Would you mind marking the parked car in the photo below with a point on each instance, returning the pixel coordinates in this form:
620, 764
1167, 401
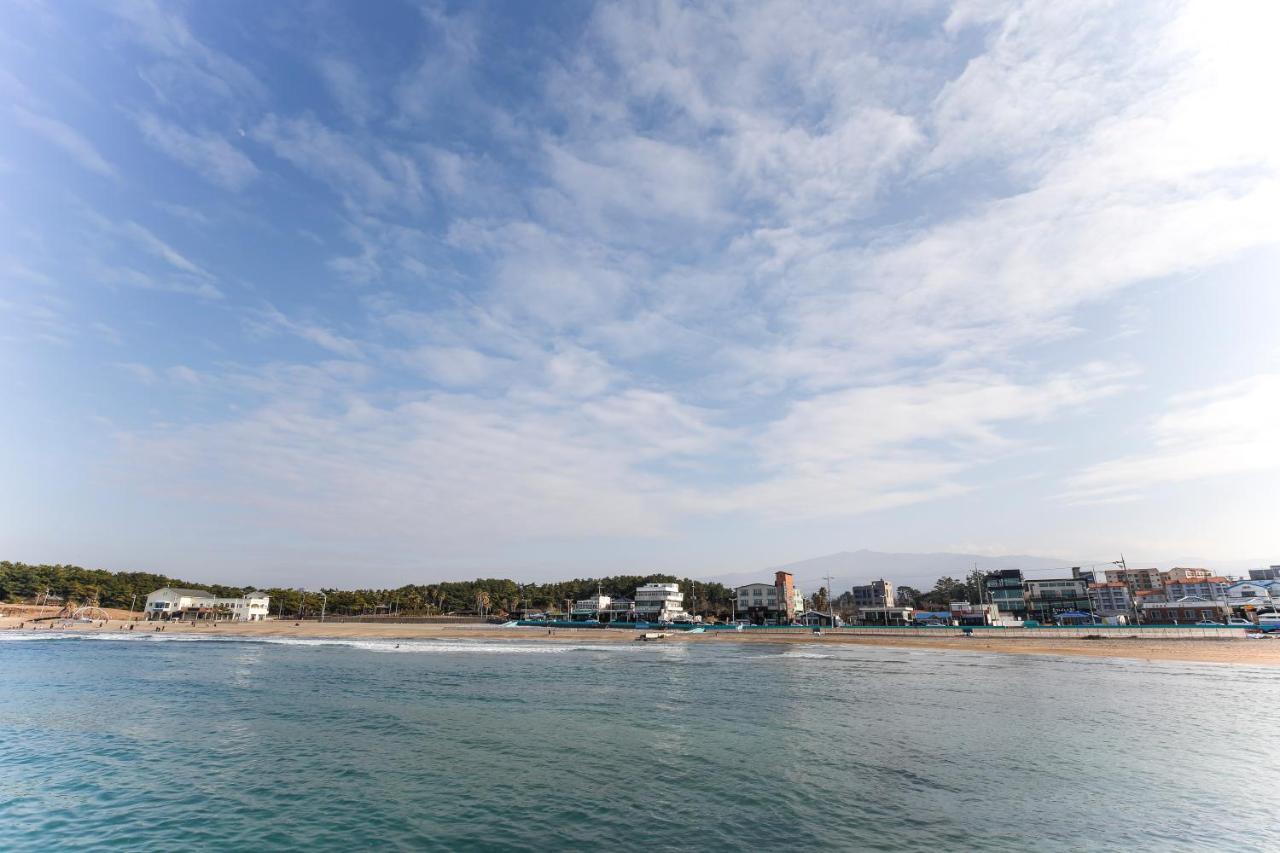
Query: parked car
1269, 622
1237, 622
1209, 622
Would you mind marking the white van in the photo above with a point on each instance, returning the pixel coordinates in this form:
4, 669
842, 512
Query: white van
1269, 622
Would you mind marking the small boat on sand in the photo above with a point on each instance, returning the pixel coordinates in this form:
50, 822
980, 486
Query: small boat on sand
650, 636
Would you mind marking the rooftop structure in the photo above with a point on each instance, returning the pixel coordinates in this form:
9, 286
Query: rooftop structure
1185, 574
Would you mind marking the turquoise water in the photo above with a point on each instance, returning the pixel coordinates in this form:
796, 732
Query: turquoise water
213, 744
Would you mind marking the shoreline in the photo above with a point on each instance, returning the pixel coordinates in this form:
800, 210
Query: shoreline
1227, 651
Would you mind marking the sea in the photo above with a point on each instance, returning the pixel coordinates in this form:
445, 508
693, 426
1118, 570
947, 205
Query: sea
183, 742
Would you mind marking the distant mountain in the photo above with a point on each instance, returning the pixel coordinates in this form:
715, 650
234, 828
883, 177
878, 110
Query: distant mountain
850, 568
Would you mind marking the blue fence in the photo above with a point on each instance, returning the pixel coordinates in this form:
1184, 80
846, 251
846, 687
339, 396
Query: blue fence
1217, 632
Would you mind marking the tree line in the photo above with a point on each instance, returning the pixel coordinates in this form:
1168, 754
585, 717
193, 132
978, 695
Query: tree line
75, 585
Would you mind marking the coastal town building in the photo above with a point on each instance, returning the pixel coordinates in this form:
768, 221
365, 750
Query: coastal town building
1185, 611
819, 619
1212, 588
603, 608
968, 615
1004, 591
1136, 579
875, 594
1185, 574
1045, 598
1112, 598
892, 615
660, 602
1270, 574
778, 603
178, 603
1251, 596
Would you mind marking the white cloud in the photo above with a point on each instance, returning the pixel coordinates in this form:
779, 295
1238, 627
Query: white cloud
454, 366
271, 319
365, 172
185, 69
66, 138
349, 88
212, 156
1230, 429
158, 248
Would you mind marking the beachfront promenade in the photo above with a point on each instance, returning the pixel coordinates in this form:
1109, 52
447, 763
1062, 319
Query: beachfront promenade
1182, 644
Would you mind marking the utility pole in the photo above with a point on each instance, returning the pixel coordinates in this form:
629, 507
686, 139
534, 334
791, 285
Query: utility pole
831, 612
132, 601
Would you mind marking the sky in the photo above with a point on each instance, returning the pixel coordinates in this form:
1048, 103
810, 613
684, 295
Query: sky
364, 293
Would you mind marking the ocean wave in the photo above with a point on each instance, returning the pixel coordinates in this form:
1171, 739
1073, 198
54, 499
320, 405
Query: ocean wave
388, 645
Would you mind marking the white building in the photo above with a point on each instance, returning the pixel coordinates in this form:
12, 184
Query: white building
1257, 594
586, 609
964, 613
661, 602
176, 603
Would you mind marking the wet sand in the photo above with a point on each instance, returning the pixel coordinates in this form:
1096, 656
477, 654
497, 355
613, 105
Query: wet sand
1264, 652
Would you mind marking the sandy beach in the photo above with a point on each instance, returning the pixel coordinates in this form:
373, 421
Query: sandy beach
1230, 651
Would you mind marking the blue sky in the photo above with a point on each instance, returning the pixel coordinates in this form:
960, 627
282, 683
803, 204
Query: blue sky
337, 292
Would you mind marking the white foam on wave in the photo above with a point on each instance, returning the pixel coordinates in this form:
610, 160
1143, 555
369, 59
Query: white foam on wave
389, 645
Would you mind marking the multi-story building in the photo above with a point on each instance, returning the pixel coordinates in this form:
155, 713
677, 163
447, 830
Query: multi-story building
1004, 590
1185, 574
1271, 574
1211, 588
776, 603
1110, 599
660, 602
603, 608
176, 603
875, 594
1045, 597
1136, 579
